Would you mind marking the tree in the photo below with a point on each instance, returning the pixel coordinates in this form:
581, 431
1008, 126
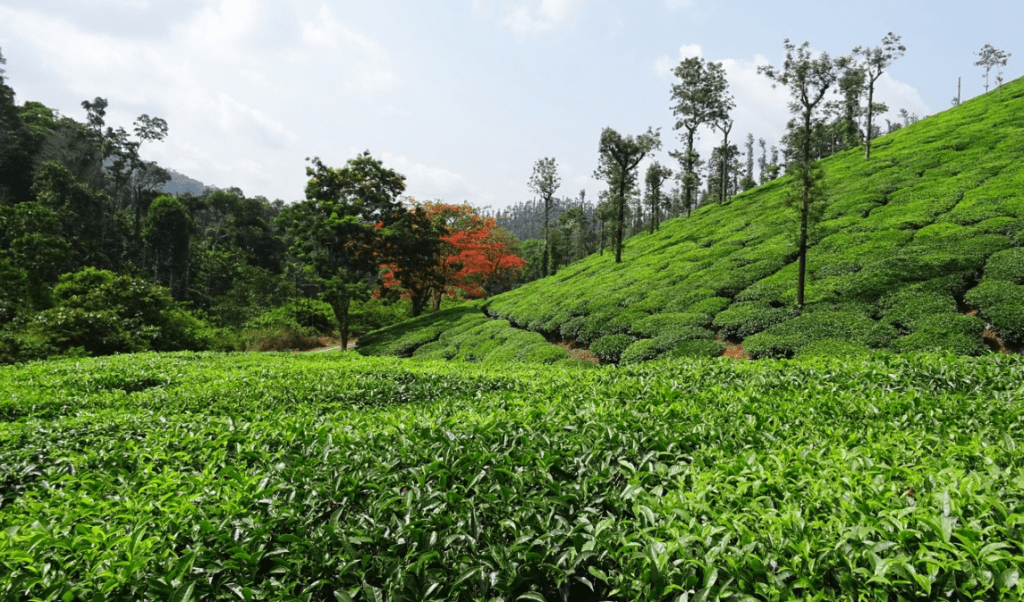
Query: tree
701, 96
33, 253
618, 159
474, 254
544, 182
412, 257
83, 212
852, 85
988, 58
748, 181
656, 176
725, 126
876, 61
166, 231
809, 80
337, 229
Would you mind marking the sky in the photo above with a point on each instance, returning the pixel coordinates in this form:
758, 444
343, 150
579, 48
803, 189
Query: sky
460, 96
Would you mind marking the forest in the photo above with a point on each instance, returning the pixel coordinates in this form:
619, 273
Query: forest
85, 216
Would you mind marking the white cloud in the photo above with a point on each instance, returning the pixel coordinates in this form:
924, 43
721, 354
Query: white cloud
239, 119
426, 182
531, 16
898, 95
366, 61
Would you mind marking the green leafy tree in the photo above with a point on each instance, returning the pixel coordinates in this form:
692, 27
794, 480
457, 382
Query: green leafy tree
34, 253
700, 97
748, 176
655, 199
544, 183
167, 231
874, 62
619, 157
83, 212
412, 250
990, 57
15, 155
336, 233
809, 79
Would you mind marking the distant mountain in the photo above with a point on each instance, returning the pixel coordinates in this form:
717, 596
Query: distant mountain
180, 183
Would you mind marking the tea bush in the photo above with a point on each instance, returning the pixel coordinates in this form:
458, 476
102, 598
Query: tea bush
340, 477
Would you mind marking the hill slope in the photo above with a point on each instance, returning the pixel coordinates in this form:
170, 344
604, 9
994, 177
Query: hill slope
922, 247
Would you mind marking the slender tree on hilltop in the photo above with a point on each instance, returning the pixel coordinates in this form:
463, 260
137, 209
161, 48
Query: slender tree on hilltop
544, 182
990, 57
619, 157
875, 61
809, 79
725, 126
701, 96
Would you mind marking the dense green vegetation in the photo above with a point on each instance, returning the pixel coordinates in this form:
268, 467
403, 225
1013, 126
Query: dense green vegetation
908, 244
337, 477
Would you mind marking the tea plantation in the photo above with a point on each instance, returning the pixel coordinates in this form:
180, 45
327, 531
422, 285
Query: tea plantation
921, 248
339, 477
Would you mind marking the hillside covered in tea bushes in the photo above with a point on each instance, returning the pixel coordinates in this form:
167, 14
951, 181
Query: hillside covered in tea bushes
919, 248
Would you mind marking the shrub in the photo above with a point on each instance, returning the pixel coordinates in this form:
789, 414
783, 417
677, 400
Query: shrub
279, 337
1006, 265
1001, 303
787, 338
906, 306
130, 314
683, 325
609, 348
24, 346
545, 354
647, 349
945, 332
311, 317
436, 351
833, 348
710, 305
703, 348
744, 319
97, 332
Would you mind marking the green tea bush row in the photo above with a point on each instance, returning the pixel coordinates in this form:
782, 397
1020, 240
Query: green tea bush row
335, 476
786, 339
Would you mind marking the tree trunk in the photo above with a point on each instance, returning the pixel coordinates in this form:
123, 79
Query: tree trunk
341, 314
688, 176
805, 206
622, 218
867, 138
419, 299
544, 260
725, 153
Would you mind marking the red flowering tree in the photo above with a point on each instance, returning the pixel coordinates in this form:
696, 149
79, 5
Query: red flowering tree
474, 253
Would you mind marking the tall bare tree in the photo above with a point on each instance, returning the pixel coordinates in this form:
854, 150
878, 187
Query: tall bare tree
809, 79
724, 126
875, 61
